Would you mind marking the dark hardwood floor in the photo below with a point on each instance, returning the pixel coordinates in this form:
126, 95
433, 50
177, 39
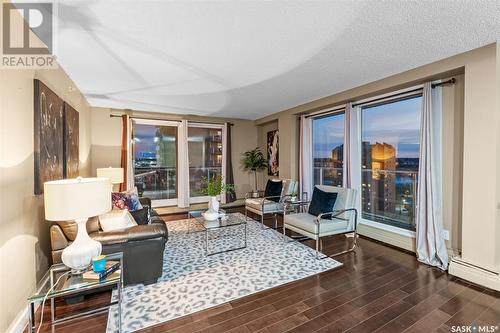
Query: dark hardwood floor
378, 288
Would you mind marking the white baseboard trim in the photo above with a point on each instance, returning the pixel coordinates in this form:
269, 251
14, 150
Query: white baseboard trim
19, 324
474, 274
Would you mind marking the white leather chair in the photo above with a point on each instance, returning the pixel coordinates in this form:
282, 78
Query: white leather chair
344, 220
271, 205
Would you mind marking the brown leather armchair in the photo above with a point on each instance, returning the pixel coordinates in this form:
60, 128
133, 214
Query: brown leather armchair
142, 245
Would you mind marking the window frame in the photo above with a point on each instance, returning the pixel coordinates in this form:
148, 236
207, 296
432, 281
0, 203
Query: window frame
179, 182
205, 198
167, 123
326, 114
401, 96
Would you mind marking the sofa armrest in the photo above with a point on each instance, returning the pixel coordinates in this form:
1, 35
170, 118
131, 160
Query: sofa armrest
135, 233
145, 201
156, 219
57, 239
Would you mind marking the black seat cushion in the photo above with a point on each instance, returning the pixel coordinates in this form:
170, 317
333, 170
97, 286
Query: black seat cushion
274, 189
322, 202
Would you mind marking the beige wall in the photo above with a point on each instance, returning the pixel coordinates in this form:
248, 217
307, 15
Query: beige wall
107, 131
453, 129
24, 237
473, 169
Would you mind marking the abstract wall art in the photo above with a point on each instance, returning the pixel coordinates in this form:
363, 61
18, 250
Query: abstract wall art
71, 140
48, 135
273, 153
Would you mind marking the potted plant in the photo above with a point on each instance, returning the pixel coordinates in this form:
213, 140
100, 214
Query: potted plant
212, 188
254, 161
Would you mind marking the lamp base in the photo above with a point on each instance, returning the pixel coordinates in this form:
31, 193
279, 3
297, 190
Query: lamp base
79, 254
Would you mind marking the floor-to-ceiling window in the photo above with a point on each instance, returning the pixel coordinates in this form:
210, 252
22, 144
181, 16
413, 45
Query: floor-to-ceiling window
205, 156
390, 133
154, 150
328, 149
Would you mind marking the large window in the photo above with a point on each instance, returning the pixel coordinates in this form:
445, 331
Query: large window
389, 161
162, 153
205, 156
154, 152
328, 149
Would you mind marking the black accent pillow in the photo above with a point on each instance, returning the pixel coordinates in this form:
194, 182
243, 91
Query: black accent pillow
322, 202
273, 188
141, 216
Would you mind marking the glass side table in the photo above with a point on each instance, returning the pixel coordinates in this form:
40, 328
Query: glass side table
231, 220
296, 206
74, 285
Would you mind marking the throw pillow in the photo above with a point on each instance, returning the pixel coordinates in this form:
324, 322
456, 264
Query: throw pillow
126, 200
116, 220
274, 188
322, 202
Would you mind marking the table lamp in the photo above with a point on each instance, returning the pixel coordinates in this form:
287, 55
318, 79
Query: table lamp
115, 175
77, 199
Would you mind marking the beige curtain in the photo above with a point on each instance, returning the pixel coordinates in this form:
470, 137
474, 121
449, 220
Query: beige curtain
306, 161
431, 248
183, 165
126, 154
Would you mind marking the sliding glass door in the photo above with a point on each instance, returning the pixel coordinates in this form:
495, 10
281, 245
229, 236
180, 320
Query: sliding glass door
328, 149
390, 150
154, 151
158, 150
205, 157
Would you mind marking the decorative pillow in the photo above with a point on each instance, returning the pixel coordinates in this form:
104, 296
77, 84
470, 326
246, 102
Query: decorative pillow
116, 220
126, 200
322, 202
274, 188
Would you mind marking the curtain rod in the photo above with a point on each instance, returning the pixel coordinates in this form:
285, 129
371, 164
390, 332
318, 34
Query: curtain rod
335, 110
450, 81
434, 85
408, 92
176, 120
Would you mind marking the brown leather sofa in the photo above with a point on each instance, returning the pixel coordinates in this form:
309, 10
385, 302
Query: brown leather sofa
142, 245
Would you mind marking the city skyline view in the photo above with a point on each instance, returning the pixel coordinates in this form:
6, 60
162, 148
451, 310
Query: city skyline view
397, 124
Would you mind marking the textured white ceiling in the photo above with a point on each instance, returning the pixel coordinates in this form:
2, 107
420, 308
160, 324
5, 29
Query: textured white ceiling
247, 59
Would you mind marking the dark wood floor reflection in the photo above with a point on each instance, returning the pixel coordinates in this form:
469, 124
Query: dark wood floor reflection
379, 288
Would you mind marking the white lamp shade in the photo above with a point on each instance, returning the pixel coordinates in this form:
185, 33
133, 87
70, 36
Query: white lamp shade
115, 175
79, 198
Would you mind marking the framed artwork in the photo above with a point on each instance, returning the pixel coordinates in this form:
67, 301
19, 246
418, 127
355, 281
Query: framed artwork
273, 153
71, 140
48, 136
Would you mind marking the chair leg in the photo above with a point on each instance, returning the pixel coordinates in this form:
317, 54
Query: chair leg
246, 214
317, 248
354, 245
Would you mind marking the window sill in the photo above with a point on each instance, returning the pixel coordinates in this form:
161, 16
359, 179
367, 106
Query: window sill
389, 228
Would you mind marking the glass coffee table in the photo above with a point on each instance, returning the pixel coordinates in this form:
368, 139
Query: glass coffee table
227, 227
71, 285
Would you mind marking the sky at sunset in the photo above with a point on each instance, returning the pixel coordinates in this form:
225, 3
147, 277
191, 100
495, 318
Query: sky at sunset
397, 124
